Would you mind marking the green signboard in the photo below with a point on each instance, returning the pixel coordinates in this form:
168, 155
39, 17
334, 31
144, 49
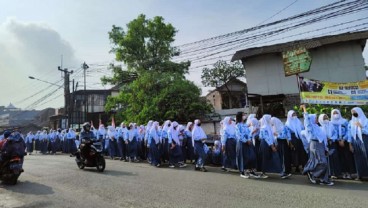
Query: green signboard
296, 61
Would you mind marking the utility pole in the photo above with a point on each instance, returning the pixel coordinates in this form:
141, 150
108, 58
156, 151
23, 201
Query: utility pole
85, 67
66, 93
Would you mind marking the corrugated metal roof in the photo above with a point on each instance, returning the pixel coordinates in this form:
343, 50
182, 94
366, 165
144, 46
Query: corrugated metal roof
307, 43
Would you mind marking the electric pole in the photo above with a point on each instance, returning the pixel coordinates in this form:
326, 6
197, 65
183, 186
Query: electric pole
85, 67
66, 93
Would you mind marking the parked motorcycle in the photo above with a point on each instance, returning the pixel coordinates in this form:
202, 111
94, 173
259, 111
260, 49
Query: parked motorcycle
90, 155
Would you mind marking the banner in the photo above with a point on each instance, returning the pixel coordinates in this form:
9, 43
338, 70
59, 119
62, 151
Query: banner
296, 61
331, 93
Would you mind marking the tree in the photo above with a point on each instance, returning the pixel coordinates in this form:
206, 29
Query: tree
146, 46
221, 73
159, 96
120, 76
153, 87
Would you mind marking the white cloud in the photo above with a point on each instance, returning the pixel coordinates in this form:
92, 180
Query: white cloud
30, 49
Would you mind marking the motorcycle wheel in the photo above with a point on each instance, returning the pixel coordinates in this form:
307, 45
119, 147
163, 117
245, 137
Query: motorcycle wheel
80, 165
11, 180
100, 163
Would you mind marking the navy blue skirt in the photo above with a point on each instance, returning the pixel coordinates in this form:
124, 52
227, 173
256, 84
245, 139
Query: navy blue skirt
270, 160
317, 163
360, 156
154, 153
245, 155
230, 154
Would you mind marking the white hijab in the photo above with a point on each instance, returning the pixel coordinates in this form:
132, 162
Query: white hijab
325, 126
111, 132
249, 119
154, 132
166, 126
197, 132
266, 124
277, 126
294, 124
101, 129
188, 125
230, 129
362, 119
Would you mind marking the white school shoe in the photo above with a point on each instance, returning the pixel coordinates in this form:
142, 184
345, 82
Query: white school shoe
182, 165
244, 176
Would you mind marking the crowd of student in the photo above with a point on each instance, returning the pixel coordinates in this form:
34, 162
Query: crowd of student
323, 148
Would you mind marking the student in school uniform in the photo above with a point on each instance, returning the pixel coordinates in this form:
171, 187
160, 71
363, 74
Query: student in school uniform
332, 144
29, 142
229, 144
216, 153
190, 145
146, 137
175, 152
122, 131
283, 137
132, 143
299, 155
165, 141
245, 153
183, 142
271, 162
198, 138
316, 167
153, 141
254, 128
111, 141
340, 127
358, 128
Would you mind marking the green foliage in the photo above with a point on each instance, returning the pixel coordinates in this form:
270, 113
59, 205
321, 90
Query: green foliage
153, 87
221, 73
146, 46
119, 77
159, 96
326, 109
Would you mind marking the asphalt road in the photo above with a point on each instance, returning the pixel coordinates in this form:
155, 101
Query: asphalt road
55, 181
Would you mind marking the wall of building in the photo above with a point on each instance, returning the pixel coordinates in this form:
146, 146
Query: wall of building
215, 99
341, 62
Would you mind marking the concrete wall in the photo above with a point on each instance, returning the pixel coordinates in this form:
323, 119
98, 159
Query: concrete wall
341, 62
215, 99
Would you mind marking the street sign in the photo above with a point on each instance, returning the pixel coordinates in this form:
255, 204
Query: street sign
296, 61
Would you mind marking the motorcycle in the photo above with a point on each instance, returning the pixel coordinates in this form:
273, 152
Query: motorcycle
11, 169
91, 155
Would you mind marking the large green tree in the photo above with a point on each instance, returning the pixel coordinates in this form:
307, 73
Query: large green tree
147, 45
159, 96
220, 75
152, 87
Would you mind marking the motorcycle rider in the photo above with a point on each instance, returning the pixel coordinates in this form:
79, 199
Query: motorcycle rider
85, 138
13, 143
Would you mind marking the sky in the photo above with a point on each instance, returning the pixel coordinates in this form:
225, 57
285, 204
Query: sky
37, 36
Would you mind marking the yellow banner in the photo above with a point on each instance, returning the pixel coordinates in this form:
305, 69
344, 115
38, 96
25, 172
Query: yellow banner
331, 93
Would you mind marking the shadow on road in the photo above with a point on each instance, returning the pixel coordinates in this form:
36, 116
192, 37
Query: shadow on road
27, 187
348, 185
111, 172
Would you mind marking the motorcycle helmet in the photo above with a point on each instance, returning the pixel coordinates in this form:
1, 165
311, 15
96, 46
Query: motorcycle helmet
86, 126
7, 134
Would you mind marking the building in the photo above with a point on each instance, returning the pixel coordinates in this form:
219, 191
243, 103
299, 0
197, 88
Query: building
11, 117
232, 94
336, 58
95, 108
